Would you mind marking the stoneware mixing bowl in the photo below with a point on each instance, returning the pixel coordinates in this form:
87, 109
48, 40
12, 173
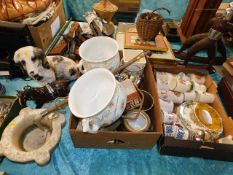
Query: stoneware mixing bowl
98, 98
99, 52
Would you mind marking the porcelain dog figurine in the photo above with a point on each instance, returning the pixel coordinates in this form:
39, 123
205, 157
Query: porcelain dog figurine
45, 69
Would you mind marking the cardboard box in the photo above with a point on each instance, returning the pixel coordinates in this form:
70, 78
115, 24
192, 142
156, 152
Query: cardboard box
225, 89
186, 148
123, 139
44, 33
14, 111
129, 6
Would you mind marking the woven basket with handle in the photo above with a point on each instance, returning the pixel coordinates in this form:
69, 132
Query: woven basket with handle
149, 24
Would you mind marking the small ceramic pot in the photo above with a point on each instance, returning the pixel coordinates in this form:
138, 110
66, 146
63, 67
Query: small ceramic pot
190, 96
166, 106
199, 87
98, 99
164, 94
197, 78
183, 76
169, 118
205, 97
176, 132
163, 78
179, 85
176, 97
99, 52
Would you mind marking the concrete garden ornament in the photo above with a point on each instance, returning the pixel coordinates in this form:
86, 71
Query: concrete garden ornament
23, 142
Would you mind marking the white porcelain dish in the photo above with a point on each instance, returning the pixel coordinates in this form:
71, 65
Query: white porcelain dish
91, 93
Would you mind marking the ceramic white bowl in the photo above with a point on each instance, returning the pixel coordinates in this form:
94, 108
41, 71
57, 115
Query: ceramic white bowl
99, 48
92, 92
98, 99
99, 52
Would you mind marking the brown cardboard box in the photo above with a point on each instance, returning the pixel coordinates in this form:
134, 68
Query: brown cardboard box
123, 139
128, 6
186, 148
44, 33
226, 93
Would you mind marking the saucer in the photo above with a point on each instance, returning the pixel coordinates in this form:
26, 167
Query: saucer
216, 121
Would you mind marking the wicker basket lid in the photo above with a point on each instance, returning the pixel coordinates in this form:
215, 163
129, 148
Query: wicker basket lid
105, 6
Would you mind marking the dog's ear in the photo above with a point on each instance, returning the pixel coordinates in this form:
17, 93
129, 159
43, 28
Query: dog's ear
40, 55
16, 57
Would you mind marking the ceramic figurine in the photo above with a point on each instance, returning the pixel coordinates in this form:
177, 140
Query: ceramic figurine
45, 69
41, 95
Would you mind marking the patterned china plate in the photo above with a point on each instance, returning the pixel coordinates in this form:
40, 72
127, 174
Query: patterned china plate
195, 123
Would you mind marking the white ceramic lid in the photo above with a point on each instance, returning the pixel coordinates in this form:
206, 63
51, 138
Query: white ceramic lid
92, 92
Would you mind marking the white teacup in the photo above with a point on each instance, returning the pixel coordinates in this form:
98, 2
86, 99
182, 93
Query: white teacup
98, 99
166, 106
179, 85
192, 95
205, 97
99, 52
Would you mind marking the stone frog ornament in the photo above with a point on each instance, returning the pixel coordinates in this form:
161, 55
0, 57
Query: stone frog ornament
211, 41
45, 69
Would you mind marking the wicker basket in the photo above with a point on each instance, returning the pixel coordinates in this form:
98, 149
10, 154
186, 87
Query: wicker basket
149, 24
105, 10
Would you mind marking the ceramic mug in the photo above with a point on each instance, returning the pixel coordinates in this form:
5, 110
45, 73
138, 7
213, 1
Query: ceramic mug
99, 52
180, 85
163, 78
98, 99
197, 78
164, 94
200, 88
170, 119
183, 76
205, 97
176, 97
166, 106
190, 96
